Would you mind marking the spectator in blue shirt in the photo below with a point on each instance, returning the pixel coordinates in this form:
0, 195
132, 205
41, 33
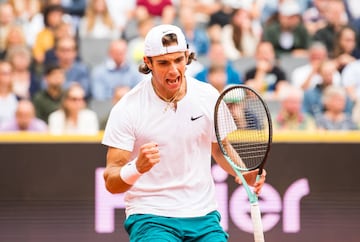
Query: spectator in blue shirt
75, 70
114, 72
216, 56
312, 103
196, 36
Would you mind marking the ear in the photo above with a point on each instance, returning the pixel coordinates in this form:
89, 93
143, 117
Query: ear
187, 57
148, 62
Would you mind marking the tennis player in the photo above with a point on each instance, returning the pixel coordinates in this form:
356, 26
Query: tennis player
160, 138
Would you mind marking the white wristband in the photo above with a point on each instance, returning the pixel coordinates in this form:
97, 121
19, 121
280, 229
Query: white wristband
129, 173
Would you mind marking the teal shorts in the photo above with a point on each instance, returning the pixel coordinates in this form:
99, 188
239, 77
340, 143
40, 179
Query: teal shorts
147, 227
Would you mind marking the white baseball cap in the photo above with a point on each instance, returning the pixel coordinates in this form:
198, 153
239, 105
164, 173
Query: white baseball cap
153, 40
289, 8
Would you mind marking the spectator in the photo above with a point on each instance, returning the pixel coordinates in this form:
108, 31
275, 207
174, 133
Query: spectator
216, 56
216, 76
66, 6
314, 16
287, 34
7, 18
270, 8
307, 76
356, 113
336, 18
254, 7
66, 52
204, 9
162, 10
350, 77
48, 100
97, 22
64, 29
136, 45
334, 117
345, 48
8, 100
115, 71
195, 35
24, 81
352, 9
242, 35
53, 17
220, 17
312, 97
266, 76
121, 12
73, 117
15, 37
25, 119
290, 116
119, 92
75, 8
29, 16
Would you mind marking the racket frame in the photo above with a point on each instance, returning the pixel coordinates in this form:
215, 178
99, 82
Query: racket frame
270, 129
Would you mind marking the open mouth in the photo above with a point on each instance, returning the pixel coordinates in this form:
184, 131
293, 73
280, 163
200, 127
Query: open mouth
173, 82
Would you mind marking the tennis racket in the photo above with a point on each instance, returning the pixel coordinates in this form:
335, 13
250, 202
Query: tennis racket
244, 132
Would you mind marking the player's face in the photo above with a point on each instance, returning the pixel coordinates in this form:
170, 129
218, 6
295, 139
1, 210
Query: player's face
168, 71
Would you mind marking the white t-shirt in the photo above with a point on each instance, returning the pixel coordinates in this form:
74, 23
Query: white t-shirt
8, 107
180, 185
301, 73
88, 123
350, 76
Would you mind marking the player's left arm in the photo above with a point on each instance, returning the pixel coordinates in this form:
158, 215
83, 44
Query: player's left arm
220, 159
250, 176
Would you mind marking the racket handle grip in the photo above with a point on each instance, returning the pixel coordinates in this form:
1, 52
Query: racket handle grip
257, 224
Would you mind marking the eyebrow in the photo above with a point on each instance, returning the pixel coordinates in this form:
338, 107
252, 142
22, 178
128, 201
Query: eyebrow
180, 57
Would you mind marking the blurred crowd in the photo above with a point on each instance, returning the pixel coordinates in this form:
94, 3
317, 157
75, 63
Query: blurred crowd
301, 55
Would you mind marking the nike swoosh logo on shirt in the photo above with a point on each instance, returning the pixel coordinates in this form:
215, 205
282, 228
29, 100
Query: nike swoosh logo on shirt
195, 118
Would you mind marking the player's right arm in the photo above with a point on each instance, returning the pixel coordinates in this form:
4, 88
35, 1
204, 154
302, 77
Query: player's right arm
116, 159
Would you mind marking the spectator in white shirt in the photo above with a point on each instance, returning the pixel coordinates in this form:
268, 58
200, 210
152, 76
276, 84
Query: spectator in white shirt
73, 117
97, 22
8, 100
307, 76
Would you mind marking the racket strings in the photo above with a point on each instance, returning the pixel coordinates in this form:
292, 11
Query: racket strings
246, 128
251, 151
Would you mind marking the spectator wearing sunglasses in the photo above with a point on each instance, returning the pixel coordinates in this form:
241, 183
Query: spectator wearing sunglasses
73, 117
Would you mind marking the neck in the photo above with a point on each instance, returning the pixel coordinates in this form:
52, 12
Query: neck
334, 116
180, 93
54, 91
65, 65
172, 100
73, 117
21, 74
3, 93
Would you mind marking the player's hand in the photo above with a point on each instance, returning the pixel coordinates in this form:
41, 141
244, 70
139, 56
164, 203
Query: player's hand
149, 156
251, 176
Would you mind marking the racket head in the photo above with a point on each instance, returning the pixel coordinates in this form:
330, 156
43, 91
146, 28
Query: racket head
242, 118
